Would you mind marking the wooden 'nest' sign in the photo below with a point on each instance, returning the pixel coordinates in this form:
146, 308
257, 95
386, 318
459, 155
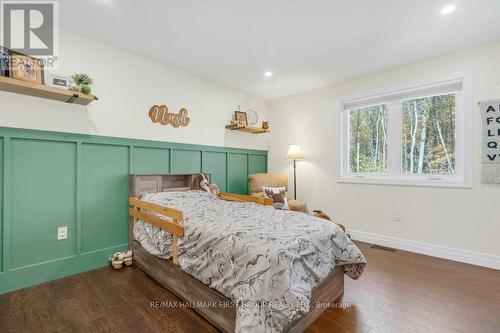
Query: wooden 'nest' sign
160, 114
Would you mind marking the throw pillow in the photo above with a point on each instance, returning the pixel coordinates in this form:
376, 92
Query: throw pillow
278, 194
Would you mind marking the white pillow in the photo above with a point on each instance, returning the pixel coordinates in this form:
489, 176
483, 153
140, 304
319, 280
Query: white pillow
278, 194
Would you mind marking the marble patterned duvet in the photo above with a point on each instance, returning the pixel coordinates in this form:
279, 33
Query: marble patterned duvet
266, 260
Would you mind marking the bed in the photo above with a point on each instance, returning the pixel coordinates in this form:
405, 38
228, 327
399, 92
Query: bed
240, 263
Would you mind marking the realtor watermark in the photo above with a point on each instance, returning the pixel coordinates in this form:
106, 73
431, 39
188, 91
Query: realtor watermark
245, 304
31, 28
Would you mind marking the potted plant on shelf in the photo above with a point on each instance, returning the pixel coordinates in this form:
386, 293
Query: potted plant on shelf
83, 83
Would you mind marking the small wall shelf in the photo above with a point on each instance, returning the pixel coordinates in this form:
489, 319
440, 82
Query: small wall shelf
248, 129
43, 91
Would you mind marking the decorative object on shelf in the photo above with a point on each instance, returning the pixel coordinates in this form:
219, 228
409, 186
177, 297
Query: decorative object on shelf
83, 82
85, 89
160, 114
241, 118
294, 154
252, 117
490, 165
4, 61
241, 122
58, 81
265, 125
26, 68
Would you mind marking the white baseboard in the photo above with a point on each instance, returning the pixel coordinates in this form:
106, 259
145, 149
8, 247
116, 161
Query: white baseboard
469, 257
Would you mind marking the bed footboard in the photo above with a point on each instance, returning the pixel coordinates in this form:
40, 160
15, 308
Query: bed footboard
148, 212
142, 210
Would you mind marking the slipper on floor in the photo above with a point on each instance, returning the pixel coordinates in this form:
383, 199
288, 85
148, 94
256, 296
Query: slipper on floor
117, 260
128, 258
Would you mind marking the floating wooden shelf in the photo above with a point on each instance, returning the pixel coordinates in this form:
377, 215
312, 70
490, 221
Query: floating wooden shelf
43, 91
248, 129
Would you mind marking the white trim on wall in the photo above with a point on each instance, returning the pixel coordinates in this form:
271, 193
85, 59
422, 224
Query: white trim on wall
465, 256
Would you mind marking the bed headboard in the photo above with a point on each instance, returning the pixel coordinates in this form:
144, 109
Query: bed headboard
164, 183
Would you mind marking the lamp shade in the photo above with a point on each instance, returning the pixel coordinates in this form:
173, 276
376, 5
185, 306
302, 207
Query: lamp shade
294, 153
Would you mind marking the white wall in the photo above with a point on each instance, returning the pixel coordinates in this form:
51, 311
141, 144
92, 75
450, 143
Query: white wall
467, 219
128, 86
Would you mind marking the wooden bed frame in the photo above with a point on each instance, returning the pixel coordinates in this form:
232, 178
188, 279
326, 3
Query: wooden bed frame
171, 276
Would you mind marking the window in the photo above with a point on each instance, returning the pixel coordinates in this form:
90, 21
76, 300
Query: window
428, 131
368, 139
414, 136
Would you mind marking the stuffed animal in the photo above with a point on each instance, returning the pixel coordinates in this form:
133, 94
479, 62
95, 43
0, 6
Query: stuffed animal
204, 184
208, 187
322, 215
214, 189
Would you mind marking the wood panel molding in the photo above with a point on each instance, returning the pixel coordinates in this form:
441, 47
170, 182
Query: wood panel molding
100, 190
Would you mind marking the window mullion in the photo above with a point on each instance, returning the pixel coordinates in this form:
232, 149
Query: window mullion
394, 138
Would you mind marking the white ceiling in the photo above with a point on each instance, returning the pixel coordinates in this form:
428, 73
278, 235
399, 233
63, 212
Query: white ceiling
305, 43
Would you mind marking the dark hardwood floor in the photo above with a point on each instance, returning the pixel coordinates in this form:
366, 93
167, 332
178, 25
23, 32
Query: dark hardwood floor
399, 292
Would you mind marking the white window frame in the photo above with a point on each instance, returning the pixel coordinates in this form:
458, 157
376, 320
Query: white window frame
463, 166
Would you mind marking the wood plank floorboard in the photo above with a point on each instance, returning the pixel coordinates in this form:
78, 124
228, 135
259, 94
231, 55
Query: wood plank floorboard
398, 292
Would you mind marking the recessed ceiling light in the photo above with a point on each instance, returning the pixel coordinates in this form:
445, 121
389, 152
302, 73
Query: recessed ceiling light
448, 9
268, 74
106, 2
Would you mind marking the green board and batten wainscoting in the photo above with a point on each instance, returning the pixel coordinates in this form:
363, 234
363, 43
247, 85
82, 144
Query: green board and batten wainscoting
50, 179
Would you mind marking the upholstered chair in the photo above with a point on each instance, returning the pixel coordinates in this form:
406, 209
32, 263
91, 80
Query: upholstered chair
258, 180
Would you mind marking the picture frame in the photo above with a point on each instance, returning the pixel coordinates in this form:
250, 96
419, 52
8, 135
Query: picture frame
26, 68
5, 55
241, 118
58, 81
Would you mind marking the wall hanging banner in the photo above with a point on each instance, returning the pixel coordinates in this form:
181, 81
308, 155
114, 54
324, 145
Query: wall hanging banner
490, 114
